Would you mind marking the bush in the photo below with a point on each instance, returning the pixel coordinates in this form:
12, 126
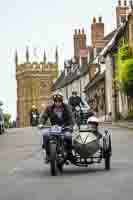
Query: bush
7, 120
124, 74
130, 115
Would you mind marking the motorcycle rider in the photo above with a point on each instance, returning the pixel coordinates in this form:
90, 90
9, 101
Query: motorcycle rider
75, 100
34, 111
60, 114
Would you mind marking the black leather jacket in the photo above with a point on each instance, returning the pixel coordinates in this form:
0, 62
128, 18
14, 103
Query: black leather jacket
66, 120
75, 101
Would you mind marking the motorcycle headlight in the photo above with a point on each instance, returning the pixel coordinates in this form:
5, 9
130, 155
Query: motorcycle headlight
77, 108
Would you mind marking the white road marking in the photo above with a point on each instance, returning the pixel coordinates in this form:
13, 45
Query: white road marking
15, 170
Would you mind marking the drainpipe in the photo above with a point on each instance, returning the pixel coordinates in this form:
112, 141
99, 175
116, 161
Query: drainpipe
105, 98
80, 87
115, 91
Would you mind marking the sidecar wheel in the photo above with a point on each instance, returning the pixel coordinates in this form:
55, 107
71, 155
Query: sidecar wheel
52, 148
107, 163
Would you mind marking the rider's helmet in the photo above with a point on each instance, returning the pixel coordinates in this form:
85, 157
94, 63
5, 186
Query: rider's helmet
93, 122
57, 97
74, 92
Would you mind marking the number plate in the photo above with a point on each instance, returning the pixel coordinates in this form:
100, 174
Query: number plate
56, 129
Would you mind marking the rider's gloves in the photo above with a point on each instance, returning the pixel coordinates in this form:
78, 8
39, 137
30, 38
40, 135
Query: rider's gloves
40, 126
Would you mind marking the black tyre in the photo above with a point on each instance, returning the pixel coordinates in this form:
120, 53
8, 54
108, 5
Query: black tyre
52, 149
107, 146
107, 163
107, 152
110, 146
60, 167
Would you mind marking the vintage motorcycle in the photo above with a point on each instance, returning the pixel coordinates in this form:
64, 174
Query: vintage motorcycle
87, 148
57, 146
34, 119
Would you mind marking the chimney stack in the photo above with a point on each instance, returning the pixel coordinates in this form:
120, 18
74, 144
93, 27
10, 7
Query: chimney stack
27, 54
121, 12
119, 3
100, 19
16, 58
79, 39
97, 33
125, 3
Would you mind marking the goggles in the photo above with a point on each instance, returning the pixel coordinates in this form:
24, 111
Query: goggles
58, 98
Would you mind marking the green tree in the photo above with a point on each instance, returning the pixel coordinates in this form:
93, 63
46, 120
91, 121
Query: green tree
7, 120
124, 74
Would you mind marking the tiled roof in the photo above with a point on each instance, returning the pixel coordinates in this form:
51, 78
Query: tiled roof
114, 39
95, 80
72, 76
63, 80
110, 35
59, 81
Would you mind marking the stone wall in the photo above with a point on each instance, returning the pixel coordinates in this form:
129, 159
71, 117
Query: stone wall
34, 87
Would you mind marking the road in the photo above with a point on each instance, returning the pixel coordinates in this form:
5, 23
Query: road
24, 176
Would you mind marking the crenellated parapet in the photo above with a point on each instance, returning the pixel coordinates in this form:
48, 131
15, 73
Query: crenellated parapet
42, 66
35, 67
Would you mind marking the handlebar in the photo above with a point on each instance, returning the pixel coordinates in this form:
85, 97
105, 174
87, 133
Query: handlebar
41, 126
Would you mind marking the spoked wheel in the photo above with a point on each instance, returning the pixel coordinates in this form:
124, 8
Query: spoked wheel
52, 148
60, 167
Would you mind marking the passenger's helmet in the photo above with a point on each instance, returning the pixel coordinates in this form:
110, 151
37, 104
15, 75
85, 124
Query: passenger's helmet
93, 121
57, 97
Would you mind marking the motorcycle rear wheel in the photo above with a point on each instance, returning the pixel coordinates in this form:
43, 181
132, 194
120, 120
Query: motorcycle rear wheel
108, 154
60, 167
52, 148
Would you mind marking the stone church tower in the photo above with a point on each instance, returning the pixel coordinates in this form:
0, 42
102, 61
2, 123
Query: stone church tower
34, 85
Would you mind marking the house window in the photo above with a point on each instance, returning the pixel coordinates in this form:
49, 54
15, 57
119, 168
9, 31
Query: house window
67, 92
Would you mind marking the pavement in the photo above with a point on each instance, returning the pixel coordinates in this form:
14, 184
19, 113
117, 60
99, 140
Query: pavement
124, 124
24, 176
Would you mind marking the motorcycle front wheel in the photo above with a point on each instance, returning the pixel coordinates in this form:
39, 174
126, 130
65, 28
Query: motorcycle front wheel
52, 149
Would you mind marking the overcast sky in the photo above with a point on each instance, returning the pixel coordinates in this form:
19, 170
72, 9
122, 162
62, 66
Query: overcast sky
43, 24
